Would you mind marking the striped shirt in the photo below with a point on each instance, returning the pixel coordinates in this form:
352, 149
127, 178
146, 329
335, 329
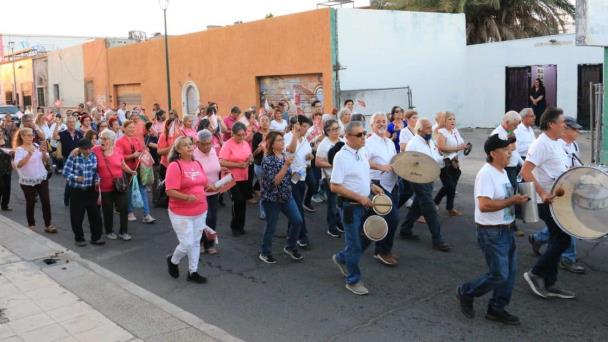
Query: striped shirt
81, 166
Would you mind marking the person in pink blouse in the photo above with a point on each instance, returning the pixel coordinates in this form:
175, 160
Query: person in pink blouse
140, 126
165, 141
188, 129
110, 165
236, 156
230, 120
186, 183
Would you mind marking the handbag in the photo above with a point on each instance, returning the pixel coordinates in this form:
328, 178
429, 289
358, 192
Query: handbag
120, 184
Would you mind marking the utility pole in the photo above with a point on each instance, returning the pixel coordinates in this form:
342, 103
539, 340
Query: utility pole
164, 4
11, 46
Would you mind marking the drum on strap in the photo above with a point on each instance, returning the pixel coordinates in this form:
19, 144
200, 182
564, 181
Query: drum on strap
415, 167
580, 207
375, 228
382, 204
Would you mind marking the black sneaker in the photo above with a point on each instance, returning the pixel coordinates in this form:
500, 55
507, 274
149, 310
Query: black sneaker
409, 236
196, 278
536, 283
340, 229
302, 244
98, 242
269, 259
573, 267
443, 247
293, 254
466, 304
333, 233
173, 268
502, 317
81, 243
555, 292
535, 245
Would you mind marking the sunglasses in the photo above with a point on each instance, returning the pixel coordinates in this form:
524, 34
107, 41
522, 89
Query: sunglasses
359, 135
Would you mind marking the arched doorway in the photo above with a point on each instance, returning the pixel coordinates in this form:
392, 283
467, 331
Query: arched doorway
190, 98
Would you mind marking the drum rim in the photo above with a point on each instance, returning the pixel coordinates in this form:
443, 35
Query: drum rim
553, 212
385, 225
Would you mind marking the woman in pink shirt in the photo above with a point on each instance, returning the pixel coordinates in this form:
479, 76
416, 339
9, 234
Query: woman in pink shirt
187, 128
110, 165
236, 156
185, 185
165, 141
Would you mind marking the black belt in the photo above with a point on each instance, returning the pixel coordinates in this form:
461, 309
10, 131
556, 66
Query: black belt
343, 200
497, 226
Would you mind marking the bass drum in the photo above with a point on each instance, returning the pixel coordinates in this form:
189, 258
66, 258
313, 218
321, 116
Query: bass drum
582, 210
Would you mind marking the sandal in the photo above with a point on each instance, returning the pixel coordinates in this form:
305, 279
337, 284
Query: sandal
50, 229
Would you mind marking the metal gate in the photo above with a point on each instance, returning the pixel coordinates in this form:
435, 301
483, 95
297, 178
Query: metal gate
588, 74
596, 103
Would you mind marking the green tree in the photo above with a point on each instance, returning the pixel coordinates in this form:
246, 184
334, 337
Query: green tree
496, 20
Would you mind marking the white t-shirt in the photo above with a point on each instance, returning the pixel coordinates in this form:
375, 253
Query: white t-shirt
418, 144
572, 154
495, 185
550, 160
323, 152
351, 169
452, 139
525, 136
33, 172
405, 135
381, 150
502, 134
302, 150
278, 126
121, 115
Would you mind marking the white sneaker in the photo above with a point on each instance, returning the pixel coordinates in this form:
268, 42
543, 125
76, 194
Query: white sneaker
357, 289
111, 236
125, 236
148, 219
132, 217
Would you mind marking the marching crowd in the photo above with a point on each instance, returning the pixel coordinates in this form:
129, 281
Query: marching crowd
122, 161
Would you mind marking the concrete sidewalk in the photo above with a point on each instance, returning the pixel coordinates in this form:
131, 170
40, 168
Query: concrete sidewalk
49, 293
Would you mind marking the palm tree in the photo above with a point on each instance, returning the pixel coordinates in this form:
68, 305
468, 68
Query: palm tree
496, 20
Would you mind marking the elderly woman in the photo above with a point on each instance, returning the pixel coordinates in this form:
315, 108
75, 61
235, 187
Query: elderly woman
332, 131
187, 129
110, 166
450, 144
85, 123
344, 117
277, 197
114, 125
185, 185
259, 147
236, 156
30, 162
132, 148
206, 155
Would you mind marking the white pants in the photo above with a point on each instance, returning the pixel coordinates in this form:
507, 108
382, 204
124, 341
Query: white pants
189, 230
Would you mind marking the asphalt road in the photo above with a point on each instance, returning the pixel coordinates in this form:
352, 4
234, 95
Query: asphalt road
307, 301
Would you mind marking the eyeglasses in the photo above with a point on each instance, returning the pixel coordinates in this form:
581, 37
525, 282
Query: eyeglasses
359, 135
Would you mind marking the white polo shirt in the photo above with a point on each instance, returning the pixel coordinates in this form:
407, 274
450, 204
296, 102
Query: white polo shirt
323, 152
525, 136
381, 150
418, 144
550, 159
302, 150
278, 126
494, 184
502, 134
351, 169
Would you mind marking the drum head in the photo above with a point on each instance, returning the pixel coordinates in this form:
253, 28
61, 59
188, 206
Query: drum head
582, 210
375, 228
382, 204
415, 167
468, 149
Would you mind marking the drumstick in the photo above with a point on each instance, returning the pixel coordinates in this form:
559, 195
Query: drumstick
383, 204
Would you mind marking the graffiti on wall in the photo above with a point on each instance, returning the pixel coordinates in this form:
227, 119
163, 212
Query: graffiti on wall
298, 91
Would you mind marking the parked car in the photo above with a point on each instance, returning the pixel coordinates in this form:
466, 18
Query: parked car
10, 110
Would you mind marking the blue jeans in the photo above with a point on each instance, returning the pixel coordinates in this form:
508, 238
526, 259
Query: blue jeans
423, 205
547, 264
144, 195
385, 246
498, 247
569, 254
257, 169
298, 195
290, 209
333, 216
353, 246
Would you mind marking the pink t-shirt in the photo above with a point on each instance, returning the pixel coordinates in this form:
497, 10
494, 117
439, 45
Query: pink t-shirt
127, 146
211, 164
163, 143
190, 132
229, 122
236, 153
111, 171
187, 177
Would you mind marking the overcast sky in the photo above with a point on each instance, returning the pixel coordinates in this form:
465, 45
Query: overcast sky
114, 18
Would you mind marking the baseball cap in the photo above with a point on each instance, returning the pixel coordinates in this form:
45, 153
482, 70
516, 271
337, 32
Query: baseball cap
571, 123
494, 142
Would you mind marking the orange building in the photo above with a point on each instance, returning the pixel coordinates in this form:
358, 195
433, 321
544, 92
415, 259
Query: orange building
285, 58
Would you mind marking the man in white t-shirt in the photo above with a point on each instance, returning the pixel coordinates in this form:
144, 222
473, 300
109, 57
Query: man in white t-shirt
350, 180
524, 133
544, 164
122, 113
572, 155
423, 204
494, 214
297, 146
332, 137
380, 150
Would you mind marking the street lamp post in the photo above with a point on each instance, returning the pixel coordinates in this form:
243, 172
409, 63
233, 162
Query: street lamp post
164, 4
11, 45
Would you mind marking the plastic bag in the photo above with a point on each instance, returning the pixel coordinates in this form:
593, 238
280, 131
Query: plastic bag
146, 159
146, 175
136, 200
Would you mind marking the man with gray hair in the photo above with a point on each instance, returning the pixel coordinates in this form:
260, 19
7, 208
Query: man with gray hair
506, 131
423, 204
524, 133
350, 180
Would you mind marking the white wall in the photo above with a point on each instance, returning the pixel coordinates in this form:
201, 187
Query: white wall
485, 74
66, 68
385, 49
